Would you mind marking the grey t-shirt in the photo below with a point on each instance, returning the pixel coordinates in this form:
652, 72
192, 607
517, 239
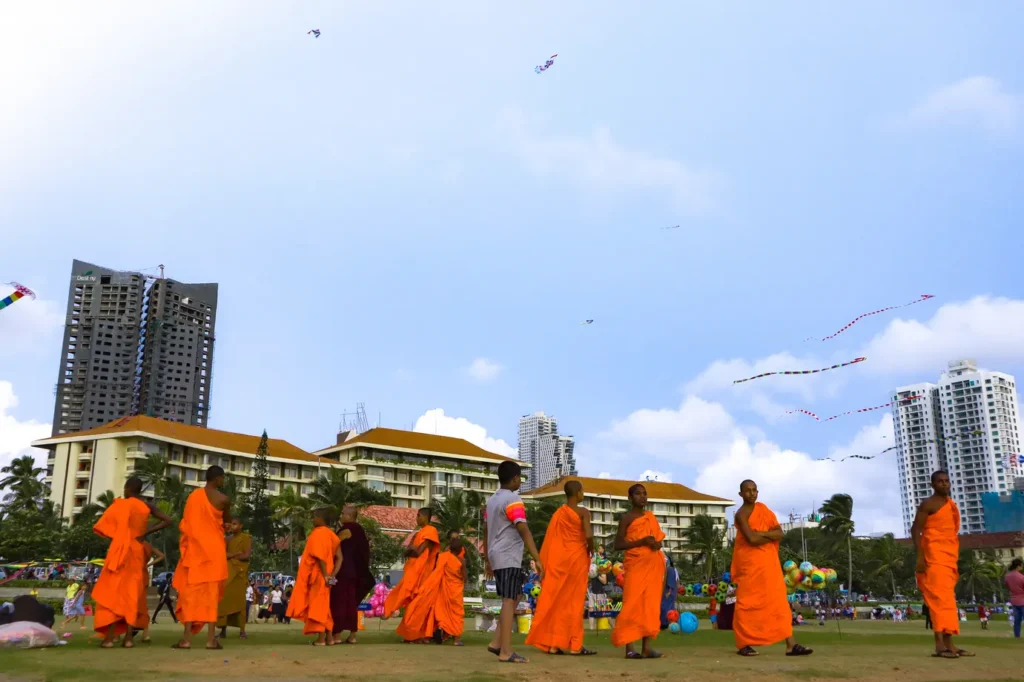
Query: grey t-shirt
504, 546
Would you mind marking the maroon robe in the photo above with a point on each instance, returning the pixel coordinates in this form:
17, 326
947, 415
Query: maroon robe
354, 579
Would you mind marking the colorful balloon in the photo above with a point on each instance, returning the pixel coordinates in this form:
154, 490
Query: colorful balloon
806, 567
688, 623
673, 628
672, 616
788, 566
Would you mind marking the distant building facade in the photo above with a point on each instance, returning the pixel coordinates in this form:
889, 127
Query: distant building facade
549, 455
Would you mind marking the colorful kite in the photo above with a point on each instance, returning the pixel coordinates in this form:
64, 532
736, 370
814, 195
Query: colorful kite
894, 447
315, 32
547, 64
924, 297
863, 409
19, 292
802, 371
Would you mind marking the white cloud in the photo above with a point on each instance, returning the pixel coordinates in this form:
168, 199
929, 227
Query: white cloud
483, 370
978, 100
29, 323
437, 422
651, 475
599, 166
990, 330
15, 435
604, 474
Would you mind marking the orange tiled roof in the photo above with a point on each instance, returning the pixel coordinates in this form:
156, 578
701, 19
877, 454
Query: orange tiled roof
610, 486
424, 442
392, 518
197, 435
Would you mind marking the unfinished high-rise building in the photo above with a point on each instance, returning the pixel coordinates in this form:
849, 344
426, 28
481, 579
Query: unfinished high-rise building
126, 349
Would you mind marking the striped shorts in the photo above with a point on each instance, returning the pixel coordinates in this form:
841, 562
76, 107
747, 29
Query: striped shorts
509, 582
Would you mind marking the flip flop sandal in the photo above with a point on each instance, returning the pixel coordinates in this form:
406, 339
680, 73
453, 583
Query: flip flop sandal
944, 654
633, 656
583, 652
965, 653
747, 651
496, 652
514, 658
177, 645
800, 650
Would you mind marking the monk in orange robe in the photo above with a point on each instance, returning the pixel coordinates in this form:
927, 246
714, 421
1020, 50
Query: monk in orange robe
202, 570
123, 579
437, 609
568, 543
421, 557
318, 570
935, 534
644, 566
763, 615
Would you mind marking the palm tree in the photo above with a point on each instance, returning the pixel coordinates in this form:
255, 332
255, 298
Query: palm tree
538, 516
706, 538
174, 495
887, 556
23, 479
979, 572
837, 522
232, 488
335, 492
152, 469
292, 509
454, 512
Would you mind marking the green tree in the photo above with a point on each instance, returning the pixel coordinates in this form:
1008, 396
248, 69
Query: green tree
233, 489
538, 516
152, 469
28, 533
385, 551
454, 512
292, 510
705, 539
257, 515
335, 492
837, 524
92, 511
22, 478
979, 573
890, 558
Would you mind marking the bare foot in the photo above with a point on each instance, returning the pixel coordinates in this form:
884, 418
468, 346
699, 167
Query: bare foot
351, 639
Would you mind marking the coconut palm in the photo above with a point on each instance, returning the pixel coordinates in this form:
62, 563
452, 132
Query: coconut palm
335, 492
837, 523
291, 509
174, 496
23, 480
538, 516
888, 557
979, 572
706, 539
454, 512
152, 469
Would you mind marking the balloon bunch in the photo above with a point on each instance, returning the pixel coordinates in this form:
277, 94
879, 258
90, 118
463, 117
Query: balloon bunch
807, 577
681, 623
709, 589
606, 566
377, 598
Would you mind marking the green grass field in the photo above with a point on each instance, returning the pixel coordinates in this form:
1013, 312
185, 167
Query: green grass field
866, 651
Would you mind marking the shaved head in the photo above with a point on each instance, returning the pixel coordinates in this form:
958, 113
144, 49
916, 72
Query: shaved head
133, 487
572, 488
751, 482
349, 513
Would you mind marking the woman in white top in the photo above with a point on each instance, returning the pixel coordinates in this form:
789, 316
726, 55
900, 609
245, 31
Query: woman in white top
277, 603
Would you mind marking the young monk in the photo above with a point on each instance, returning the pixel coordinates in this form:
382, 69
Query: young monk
438, 604
420, 559
640, 536
763, 615
203, 568
311, 598
123, 579
934, 533
568, 544
232, 611
355, 579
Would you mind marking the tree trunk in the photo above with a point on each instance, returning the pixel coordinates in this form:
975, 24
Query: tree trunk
893, 578
849, 552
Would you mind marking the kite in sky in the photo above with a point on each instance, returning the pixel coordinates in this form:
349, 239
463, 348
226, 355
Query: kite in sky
924, 297
19, 292
671, 227
586, 322
315, 32
863, 409
802, 371
547, 64
894, 447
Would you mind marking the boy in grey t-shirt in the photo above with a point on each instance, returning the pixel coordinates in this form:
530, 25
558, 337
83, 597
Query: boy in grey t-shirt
506, 534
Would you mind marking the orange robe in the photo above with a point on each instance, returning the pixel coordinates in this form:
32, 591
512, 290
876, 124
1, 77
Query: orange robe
311, 598
642, 587
415, 571
762, 615
558, 618
202, 570
438, 604
941, 546
123, 577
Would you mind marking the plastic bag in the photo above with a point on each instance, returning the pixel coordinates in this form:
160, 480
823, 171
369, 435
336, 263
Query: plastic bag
26, 635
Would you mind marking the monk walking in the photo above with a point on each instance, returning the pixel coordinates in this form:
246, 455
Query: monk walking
568, 544
437, 610
202, 570
763, 615
355, 580
311, 598
935, 532
118, 593
644, 566
232, 610
421, 557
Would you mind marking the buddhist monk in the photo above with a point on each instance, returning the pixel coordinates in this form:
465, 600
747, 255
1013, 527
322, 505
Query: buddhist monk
763, 615
123, 580
203, 568
437, 610
557, 626
231, 612
640, 537
935, 532
355, 580
420, 559
311, 597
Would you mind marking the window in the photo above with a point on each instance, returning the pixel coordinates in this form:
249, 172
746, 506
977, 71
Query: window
375, 471
375, 485
291, 472
275, 470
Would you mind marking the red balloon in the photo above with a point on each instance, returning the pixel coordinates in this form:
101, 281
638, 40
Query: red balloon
681, 589
620, 579
712, 588
673, 616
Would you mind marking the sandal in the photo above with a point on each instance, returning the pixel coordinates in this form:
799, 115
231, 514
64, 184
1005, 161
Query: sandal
496, 652
945, 653
216, 646
583, 652
178, 645
965, 653
633, 656
514, 658
800, 650
749, 651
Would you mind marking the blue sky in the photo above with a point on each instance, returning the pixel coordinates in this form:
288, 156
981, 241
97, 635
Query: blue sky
403, 196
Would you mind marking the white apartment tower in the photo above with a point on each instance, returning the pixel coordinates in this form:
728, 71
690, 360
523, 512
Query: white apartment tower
968, 424
549, 455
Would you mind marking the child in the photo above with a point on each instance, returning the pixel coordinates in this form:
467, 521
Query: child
505, 535
821, 616
713, 613
983, 615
